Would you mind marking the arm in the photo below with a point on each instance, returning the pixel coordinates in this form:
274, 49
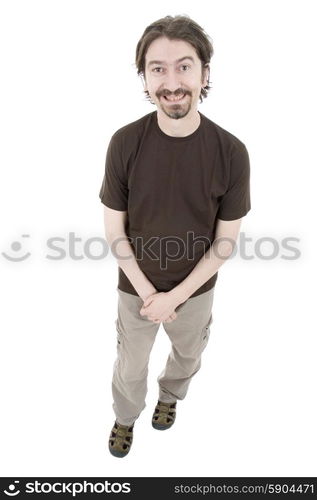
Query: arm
233, 205
114, 192
223, 245
158, 307
114, 221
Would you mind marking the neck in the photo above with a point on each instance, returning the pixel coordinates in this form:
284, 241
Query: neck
181, 127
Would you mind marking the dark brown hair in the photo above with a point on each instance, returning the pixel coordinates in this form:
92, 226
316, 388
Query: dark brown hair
176, 28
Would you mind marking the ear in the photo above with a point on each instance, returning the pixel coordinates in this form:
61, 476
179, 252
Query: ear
143, 81
206, 75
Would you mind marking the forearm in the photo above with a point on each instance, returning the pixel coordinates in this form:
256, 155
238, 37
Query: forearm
124, 254
206, 267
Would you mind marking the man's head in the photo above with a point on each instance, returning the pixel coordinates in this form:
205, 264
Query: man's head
173, 58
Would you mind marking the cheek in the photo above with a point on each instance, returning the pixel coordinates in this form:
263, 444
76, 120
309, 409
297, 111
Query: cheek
193, 85
153, 88
197, 83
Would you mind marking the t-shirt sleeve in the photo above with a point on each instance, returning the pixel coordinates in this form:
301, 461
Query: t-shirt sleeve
114, 189
236, 203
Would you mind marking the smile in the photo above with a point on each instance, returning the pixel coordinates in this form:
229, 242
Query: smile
174, 99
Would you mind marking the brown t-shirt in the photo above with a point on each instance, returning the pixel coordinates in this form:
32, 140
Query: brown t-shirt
174, 189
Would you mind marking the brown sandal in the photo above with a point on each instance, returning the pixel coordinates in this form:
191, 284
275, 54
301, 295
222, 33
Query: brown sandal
164, 415
120, 439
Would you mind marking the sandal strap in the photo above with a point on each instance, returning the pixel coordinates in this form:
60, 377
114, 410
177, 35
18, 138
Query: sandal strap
164, 411
121, 433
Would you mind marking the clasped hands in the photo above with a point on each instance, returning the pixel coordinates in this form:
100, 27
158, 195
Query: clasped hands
160, 307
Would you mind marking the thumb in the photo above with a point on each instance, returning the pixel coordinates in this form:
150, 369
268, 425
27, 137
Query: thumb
147, 301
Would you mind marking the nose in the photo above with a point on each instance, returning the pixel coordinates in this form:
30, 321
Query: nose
172, 81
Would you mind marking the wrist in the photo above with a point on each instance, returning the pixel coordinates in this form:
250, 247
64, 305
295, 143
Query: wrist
146, 292
177, 295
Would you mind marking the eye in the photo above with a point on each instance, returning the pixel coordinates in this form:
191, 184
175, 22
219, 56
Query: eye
158, 67
185, 66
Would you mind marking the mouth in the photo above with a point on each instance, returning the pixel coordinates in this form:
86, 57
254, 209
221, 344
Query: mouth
174, 99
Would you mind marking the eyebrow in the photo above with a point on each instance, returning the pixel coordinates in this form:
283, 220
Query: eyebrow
178, 60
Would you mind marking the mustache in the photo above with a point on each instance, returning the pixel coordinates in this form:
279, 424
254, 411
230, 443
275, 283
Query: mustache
177, 93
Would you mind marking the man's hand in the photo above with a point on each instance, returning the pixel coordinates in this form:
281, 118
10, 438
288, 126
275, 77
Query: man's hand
160, 307
149, 292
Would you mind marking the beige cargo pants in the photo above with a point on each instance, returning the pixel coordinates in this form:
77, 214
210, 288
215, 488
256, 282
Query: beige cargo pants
188, 333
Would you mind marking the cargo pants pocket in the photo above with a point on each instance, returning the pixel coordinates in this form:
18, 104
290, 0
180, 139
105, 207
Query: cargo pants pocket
205, 334
119, 333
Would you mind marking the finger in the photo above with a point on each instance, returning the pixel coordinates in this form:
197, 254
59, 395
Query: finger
147, 301
143, 310
149, 317
171, 317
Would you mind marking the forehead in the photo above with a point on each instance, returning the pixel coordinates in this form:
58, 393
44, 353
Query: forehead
168, 51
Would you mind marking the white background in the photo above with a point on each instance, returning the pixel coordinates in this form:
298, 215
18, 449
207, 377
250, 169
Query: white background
68, 83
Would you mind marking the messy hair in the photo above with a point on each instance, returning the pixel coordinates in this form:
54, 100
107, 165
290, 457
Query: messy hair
179, 27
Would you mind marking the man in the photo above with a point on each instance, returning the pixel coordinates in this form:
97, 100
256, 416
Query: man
175, 189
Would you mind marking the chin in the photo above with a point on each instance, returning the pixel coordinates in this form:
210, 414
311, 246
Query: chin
176, 111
